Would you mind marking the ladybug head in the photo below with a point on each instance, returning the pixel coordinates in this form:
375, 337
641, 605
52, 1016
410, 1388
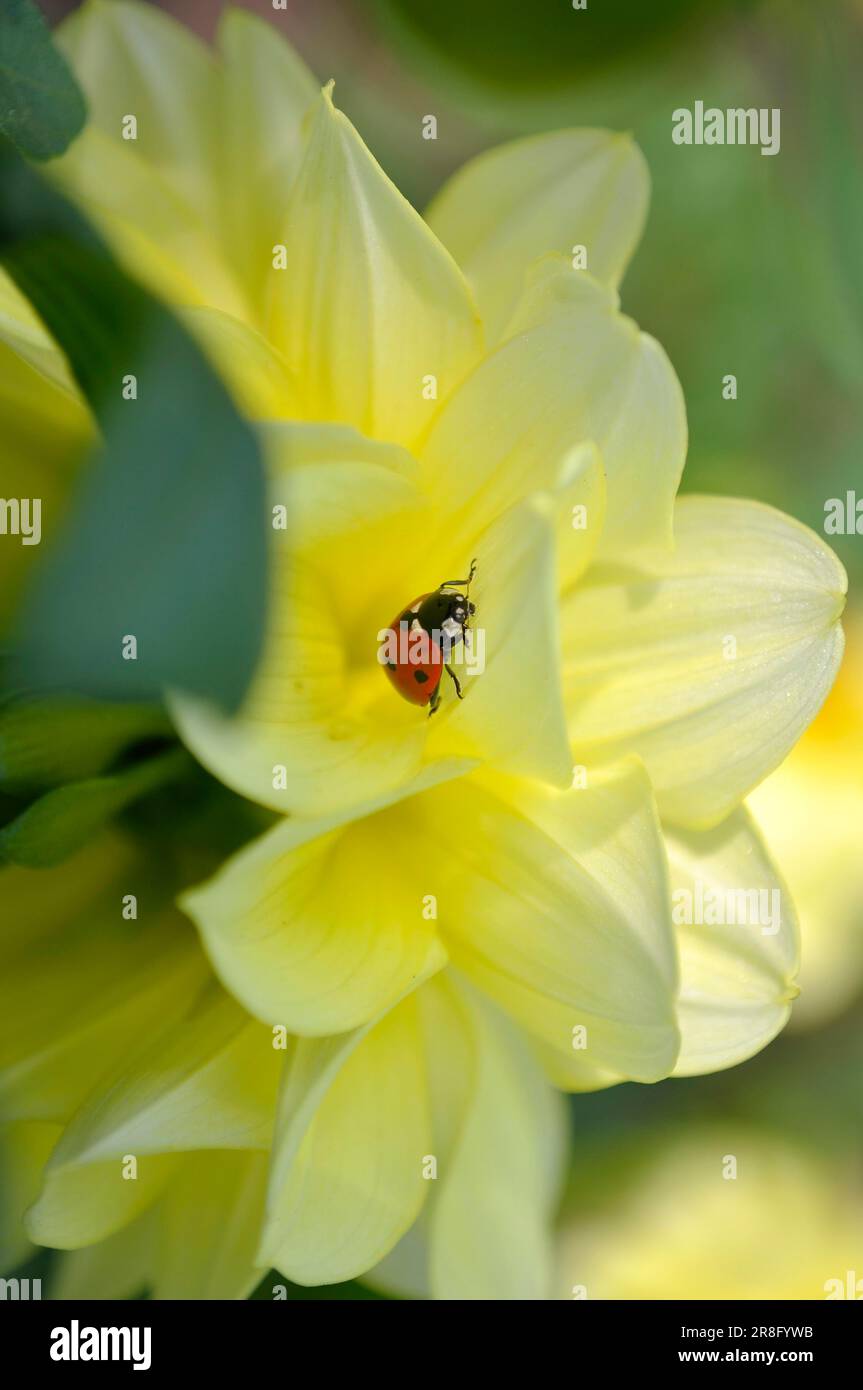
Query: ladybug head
458, 607
461, 608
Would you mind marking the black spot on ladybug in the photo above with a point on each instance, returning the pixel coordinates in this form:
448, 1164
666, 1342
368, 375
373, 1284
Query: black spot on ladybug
420, 677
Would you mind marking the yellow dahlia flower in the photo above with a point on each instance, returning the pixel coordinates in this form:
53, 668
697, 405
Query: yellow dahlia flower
451, 912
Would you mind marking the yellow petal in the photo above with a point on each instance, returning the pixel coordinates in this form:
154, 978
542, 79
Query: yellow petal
556, 905
580, 505
348, 1155
132, 59
80, 1205
266, 89
24, 1150
208, 1227
23, 330
808, 811
320, 708
46, 430
120, 1266
499, 1138
710, 662
164, 240
262, 385
370, 305
82, 987
571, 370
403, 1273
448, 1046
512, 714
319, 926
196, 1242
489, 1227
554, 192
737, 937
208, 1083
44, 902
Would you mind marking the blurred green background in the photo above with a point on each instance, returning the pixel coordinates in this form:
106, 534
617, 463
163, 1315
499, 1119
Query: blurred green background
750, 265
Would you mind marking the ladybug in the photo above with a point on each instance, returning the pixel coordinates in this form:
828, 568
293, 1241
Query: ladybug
423, 634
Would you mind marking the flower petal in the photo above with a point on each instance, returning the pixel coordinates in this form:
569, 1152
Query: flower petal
266, 90
489, 1226
512, 204
512, 714
134, 60
154, 195
162, 239
208, 1083
580, 501
808, 810
263, 386
370, 303
353, 1132
556, 905
24, 1150
81, 987
319, 925
320, 706
120, 1266
572, 369
737, 978
499, 1138
196, 1242
80, 1205
23, 330
710, 662
208, 1227
46, 429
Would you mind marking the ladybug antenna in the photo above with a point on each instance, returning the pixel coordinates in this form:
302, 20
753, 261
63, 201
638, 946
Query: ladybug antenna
461, 583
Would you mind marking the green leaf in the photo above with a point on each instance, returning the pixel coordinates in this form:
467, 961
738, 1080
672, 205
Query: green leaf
62, 821
46, 741
42, 108
166, 539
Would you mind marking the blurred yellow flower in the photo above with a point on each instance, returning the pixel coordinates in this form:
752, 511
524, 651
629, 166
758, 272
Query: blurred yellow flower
454, 909
722, 1213
809, 810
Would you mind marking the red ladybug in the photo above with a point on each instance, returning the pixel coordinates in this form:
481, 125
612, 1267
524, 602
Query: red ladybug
421, 637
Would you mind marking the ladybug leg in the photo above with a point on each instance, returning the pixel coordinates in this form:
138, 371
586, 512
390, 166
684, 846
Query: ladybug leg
454, 678
435, 701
